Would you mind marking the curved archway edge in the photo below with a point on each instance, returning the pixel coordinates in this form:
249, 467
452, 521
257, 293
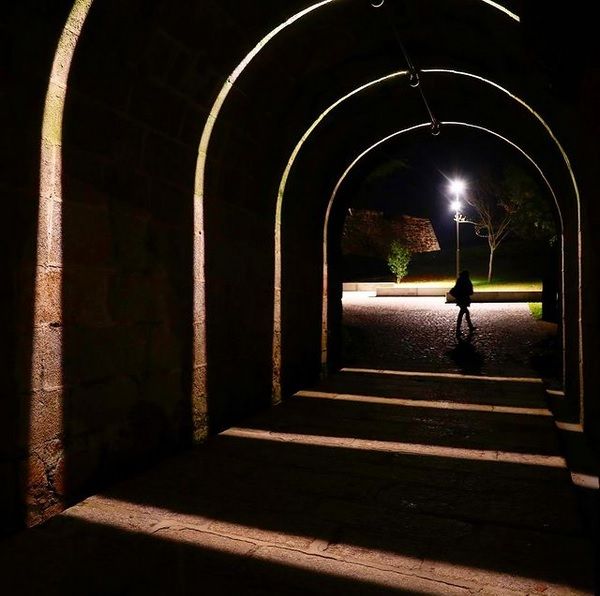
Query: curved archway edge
51, 160
348, 170
50, 188
277, 331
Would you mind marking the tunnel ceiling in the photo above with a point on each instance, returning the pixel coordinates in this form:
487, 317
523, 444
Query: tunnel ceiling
344, 44
153, 60
356, 125
145, 163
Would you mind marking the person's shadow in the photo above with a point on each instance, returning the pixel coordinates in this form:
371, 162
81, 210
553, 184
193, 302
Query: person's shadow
466, 356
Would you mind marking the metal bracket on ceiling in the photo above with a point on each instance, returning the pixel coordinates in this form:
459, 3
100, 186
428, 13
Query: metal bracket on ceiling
414, 79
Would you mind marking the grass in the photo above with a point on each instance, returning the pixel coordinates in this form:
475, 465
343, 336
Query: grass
518, 266
480, 285
536, 310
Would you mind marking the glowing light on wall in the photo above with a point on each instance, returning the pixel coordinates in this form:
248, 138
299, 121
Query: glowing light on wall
199, 365
46, 349
503, 9
277, 356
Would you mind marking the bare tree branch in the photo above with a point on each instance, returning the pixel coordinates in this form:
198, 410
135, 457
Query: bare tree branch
494, 215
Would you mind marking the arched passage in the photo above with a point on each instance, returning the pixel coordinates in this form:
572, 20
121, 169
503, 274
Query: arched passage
148, 119
576, 373
77, 19
422, 128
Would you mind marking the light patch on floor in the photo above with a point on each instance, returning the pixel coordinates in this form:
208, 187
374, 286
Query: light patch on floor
406, 373
417, 449
423, 403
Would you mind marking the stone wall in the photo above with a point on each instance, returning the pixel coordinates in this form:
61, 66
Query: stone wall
369, 233
98, 336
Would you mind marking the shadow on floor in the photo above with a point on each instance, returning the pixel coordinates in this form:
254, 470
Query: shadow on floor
311, 495
98, 560
466, 356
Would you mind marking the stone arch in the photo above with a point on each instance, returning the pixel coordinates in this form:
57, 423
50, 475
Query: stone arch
354, 163
50, 349
53, 123
277, 340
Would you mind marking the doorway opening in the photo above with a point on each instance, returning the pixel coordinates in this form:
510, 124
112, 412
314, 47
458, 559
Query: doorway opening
508, 236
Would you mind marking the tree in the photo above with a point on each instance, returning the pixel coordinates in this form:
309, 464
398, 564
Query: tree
495, 211
510, 202
398, 260
533, 218
370, 192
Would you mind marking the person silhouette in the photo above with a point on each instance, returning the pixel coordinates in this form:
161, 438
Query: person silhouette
462, 291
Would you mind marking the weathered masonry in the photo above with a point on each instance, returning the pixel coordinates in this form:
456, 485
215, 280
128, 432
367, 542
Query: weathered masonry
169, 174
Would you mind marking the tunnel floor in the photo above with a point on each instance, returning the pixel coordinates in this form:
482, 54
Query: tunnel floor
418, 333
365, 484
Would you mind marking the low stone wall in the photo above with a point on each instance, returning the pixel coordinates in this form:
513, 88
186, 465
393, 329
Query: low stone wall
411, 291
365, 286
504, 296
499, 296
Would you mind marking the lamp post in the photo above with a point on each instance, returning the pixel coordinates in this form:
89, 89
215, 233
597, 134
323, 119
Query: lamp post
456, 188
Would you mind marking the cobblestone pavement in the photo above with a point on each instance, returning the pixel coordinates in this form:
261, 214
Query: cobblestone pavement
367, 484
419, 334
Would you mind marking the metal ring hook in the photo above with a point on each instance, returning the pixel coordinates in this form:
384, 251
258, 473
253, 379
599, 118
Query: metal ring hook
413, 79
377, 3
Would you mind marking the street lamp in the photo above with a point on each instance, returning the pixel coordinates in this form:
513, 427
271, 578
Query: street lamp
457, 187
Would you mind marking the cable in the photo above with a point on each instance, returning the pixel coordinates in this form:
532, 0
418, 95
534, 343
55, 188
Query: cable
414, 78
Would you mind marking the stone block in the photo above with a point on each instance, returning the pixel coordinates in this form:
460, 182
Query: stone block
42, 500
46, 416
165, 349
148, 429
28, 363
158, 107
170, 161
159, 56
48, 298
199, 343
91, 354
49, 170
108, 66
9, 495
51, 353
164, 388
199, 402
85, 297
192, 125
98, 407
169, 203
127, 185
86, 166
86, 237
80, 191
135, 298
129, 230
50, 235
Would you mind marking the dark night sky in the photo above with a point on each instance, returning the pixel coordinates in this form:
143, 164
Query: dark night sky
421, 189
